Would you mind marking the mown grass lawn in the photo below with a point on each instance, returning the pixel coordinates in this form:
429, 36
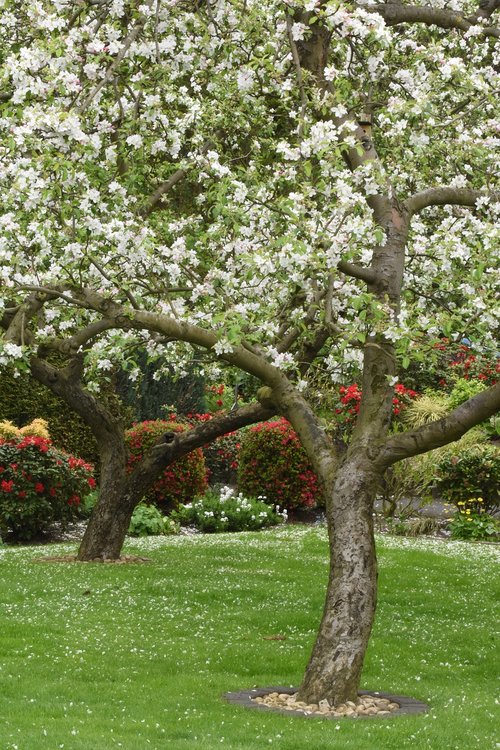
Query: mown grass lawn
96, 656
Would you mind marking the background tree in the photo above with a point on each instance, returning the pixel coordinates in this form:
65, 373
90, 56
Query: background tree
279, 185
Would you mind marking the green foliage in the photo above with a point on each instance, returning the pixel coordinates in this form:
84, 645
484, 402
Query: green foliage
149, 396
273, 463
39, 485
23, 399
471, 522
89, 502
179, 482
463, 390
222, 510
469, 473
404, 482
148, 521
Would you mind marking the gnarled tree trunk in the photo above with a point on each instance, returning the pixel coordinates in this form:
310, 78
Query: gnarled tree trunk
110, 519
334, 669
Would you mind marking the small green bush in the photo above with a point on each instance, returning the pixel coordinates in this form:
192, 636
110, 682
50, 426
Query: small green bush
273, 463
39, 485
222, 510
182, 480
471, 522
148, 521
469, 473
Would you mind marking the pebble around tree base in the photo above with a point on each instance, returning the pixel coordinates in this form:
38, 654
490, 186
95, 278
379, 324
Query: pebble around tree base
123, 560
366, 705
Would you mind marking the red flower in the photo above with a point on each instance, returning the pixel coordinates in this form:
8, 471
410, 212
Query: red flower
39, 488
6, 486
91, 482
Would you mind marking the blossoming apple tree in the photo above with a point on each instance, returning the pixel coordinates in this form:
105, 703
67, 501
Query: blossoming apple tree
277, 186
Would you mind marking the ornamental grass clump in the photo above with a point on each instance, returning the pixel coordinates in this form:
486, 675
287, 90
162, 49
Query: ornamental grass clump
39, 485
223, 510
273, 463
180, 481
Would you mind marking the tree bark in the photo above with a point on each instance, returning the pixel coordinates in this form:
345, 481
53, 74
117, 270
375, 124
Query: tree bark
110, 519
334, 669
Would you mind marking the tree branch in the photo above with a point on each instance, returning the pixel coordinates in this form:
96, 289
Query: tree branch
395, 13
443, 196
176, 177
165, 452
443, 431
300, 80
72, 344
357, 272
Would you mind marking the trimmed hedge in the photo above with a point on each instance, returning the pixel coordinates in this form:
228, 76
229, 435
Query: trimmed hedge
273, 464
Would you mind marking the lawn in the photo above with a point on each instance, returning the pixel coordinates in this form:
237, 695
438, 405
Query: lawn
94, 657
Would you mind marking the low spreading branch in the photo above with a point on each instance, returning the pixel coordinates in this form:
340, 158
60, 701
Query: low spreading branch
443, 431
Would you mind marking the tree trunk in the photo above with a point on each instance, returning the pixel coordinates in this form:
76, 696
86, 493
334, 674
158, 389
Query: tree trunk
110, 519
334, 669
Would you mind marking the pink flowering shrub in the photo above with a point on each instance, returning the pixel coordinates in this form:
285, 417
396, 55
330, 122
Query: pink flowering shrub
39, 485
182, 480
273, 464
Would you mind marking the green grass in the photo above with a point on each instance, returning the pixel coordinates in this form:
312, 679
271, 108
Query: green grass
98, 657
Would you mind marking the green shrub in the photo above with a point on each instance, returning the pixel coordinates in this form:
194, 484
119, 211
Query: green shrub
182, 480
23, 399
273, 463
471, 522
148, 521
463, 390
222, 510
39, 485
470, 472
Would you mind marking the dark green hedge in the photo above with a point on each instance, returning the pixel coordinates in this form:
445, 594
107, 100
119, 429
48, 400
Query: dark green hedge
23, 399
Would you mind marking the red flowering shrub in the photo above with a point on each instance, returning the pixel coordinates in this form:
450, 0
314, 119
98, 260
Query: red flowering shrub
448, 362
273, 464
180, 481
350, 399
39, 485
469, 366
